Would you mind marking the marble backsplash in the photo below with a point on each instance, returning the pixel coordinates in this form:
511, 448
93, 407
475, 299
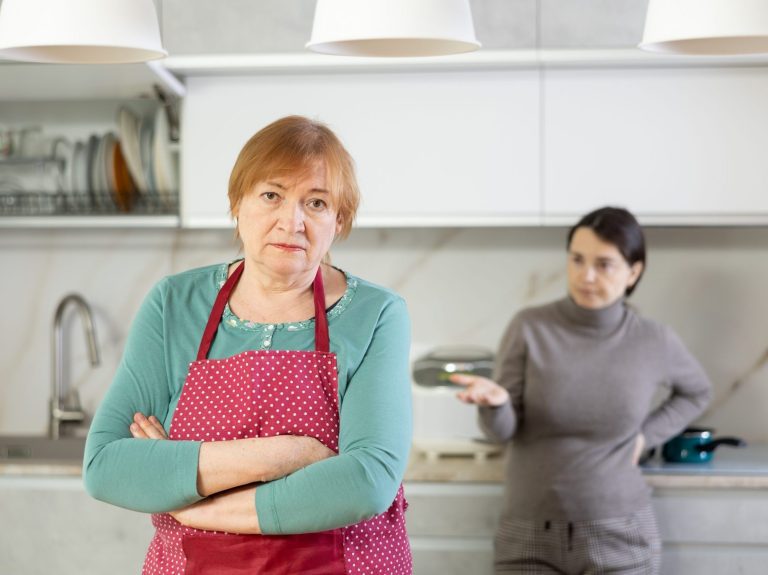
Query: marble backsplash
462, 287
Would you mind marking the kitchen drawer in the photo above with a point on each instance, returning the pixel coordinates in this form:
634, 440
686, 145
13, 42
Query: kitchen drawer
73, 533
714, 560
712, 516
453, 510
451, 527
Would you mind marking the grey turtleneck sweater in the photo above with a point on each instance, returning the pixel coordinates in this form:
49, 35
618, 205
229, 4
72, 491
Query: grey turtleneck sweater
582, 384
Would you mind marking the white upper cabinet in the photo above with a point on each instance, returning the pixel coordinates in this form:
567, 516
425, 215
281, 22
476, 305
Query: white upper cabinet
57, 82
674, 145
70, 173
432, 147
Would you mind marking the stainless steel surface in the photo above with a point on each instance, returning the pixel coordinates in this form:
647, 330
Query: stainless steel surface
435, 368
36, 449
69, 410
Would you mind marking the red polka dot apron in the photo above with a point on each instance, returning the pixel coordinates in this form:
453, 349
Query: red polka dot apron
263, 394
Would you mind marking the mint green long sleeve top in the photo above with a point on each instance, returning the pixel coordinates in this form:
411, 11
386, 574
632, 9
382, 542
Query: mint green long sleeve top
370, 333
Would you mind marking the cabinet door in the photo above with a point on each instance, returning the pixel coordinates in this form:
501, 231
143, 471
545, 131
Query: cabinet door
713, 531
50, 525
451, 527
673, 144
439, 148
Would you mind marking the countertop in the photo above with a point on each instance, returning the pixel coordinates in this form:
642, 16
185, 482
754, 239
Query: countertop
730, 468
745, 468
41, 469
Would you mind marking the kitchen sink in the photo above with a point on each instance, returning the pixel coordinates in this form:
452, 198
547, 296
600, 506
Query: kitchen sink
39, 449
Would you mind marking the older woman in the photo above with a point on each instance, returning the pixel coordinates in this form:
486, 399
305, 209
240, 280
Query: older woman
576, 383
282, 381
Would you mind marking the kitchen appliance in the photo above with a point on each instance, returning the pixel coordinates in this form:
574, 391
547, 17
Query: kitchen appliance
434, 368
696, 445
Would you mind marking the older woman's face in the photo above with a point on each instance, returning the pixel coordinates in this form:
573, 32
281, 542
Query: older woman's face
598, 275
288, 223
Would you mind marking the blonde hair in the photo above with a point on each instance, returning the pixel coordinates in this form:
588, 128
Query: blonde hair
290, 145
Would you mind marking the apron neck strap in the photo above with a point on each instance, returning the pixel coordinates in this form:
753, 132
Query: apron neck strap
322, 340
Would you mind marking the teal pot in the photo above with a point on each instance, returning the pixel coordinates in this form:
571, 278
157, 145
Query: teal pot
696, 445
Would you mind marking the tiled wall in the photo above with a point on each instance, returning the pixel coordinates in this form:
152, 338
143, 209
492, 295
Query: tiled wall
462, 286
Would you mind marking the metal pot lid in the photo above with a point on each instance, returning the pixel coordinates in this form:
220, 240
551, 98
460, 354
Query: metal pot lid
459, 353
701, 432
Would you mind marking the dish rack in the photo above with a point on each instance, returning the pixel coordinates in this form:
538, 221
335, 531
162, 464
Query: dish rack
17, 198
81, 204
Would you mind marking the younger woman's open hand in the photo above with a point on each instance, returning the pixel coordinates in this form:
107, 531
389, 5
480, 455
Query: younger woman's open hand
480, 390
147, 427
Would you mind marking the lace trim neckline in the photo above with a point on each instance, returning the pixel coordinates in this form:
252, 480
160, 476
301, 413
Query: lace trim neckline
233, 321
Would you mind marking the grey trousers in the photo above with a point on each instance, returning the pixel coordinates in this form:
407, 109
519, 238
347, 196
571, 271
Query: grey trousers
626, 545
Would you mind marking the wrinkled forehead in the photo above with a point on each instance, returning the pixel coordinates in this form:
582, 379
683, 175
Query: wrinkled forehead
289, 174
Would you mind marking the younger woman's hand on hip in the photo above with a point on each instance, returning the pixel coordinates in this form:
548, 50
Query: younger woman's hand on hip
639, 447
480, 390
147, 427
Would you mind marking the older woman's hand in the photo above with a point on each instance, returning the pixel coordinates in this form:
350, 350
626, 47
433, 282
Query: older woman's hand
480, 390
147, 427
233, 511
273, 457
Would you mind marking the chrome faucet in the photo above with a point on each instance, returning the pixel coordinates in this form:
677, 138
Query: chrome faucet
69, 411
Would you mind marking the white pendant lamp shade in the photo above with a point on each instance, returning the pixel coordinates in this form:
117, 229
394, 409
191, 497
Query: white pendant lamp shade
706, 26
80, 31
393, 27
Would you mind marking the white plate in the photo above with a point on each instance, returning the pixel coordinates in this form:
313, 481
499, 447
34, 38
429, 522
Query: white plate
98, 176
146, 136
108, 166
165, 175
65, 151
80, 169
92, 150
128, 124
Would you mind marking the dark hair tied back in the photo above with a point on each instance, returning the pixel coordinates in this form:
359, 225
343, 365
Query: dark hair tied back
619, 227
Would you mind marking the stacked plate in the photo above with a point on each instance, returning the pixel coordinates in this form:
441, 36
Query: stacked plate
64, 149
113, 172
164, 175
129, 126
148, 156
95, 176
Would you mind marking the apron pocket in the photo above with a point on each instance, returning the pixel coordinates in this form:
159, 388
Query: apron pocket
229, 554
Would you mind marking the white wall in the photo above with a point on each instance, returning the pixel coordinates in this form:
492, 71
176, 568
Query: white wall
462, 286
245, 26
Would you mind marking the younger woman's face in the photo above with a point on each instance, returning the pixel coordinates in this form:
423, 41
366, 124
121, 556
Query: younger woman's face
598, 275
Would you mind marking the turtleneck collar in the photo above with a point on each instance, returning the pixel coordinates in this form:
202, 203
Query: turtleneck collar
602, 320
